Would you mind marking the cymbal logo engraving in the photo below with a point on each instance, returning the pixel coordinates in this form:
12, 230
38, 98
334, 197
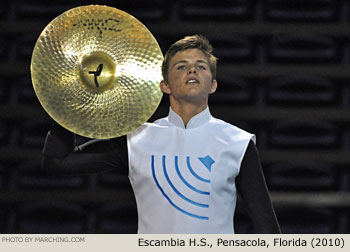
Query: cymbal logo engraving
109, 24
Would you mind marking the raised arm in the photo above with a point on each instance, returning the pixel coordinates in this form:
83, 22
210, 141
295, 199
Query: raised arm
61, 156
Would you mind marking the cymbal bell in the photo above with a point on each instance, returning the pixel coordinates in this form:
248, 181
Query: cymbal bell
96, 71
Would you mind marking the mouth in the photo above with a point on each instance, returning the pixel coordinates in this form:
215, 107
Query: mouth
192, 81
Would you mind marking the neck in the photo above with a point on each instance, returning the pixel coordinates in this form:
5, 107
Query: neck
187, 110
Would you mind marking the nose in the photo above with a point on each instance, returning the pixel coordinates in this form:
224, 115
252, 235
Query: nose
192, 69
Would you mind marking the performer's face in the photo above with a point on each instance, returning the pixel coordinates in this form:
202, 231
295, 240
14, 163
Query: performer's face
189, 76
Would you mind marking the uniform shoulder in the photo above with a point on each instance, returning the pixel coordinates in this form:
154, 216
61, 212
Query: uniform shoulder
162, 121
149, 127
230, 129
223, 124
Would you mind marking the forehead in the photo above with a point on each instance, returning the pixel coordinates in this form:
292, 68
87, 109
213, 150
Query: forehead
189, 55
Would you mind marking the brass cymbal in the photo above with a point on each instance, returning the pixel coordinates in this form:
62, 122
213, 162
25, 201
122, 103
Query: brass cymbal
96, 71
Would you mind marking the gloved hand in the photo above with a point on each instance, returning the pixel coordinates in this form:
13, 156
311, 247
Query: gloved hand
59, 141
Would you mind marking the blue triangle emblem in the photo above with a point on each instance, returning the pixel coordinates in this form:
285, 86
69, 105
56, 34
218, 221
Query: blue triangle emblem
207, 161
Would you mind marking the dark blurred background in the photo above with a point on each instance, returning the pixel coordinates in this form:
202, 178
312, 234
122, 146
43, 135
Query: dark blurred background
283, 74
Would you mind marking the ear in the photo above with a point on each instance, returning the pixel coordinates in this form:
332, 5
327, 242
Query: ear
213, 87
164, 87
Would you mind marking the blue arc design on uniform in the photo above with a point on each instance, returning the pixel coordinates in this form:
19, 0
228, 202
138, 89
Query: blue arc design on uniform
177, 191
193, 172
167, 197
184, 181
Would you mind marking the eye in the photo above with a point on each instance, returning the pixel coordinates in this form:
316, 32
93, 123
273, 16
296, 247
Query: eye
201, 67
181, 67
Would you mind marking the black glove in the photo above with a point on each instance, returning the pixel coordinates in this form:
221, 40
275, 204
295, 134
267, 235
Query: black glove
59, 142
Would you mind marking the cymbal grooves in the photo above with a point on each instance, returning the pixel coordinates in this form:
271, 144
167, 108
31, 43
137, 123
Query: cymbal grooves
108, 95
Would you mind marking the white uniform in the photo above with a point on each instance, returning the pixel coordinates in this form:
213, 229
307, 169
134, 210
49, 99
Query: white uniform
184, 178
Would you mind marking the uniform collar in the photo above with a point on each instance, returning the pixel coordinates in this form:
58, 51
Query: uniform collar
196, 121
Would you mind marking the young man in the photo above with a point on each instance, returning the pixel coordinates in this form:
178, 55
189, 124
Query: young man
185, 169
